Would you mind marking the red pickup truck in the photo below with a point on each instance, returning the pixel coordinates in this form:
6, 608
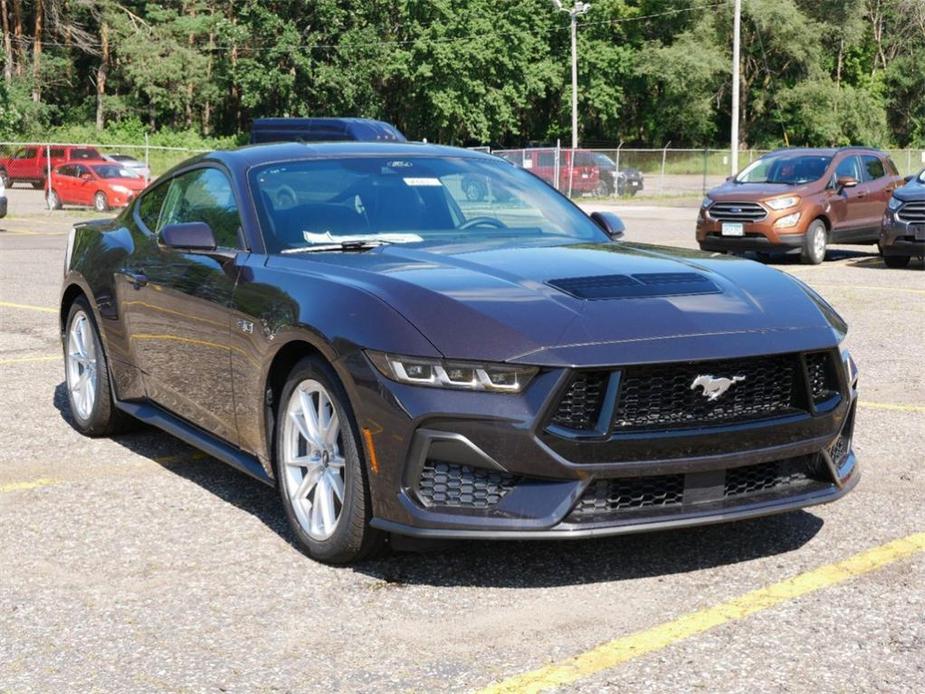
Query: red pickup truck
30, 164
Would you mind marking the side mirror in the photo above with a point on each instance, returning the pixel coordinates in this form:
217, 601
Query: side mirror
610, 223
846, 182
189, 236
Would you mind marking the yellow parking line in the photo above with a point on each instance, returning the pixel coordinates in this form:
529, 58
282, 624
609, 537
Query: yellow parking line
19, 360
612, 654
891, 406
28, 307
21, 486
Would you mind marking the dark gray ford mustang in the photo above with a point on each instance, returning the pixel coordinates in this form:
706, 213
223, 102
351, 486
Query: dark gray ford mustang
341, 321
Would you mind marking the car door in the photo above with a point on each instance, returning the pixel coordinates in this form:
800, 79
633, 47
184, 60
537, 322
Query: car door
22, 164
847, 204
82, 188
176, 303
880, 186
63, 180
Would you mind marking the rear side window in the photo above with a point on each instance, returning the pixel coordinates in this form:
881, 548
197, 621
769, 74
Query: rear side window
891, 167
150, 204
66, 171
204, 195
56, 153
28, 153
873, 167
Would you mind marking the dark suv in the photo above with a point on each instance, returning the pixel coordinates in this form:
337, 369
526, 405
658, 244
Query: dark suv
799, 201
902, 234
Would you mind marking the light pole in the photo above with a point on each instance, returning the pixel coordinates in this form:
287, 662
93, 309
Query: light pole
574, 12
736, 41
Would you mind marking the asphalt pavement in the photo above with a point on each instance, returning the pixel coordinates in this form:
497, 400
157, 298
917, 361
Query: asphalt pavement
138, 564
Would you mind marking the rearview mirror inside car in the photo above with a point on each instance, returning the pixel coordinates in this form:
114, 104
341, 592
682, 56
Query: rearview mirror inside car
189, 236
610, 223
846, 182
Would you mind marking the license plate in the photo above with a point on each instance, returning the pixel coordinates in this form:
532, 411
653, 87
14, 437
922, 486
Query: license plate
733, 229
919, 230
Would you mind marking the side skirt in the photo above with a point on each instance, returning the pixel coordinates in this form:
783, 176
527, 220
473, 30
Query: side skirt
194, 436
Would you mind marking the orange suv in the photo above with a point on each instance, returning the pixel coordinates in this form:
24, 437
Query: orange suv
799, 201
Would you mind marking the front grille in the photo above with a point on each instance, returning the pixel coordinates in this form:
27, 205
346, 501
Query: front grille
823, 384
607, 499
608, 496
753, 479
580, 407
737, 212
667, 395
912, 212
461, 486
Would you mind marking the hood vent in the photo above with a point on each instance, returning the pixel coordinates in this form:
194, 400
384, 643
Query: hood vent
651, 284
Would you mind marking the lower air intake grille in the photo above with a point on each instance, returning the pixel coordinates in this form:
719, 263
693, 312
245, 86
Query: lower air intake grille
665, 395
607, 496
461, 486
580, 407
822, 382
765, 477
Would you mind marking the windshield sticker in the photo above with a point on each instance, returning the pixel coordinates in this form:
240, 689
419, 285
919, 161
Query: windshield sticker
435, 182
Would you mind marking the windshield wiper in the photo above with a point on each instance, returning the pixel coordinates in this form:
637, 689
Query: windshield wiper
343, 246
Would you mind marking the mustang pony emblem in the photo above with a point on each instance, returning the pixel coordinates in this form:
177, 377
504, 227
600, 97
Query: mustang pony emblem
714, 388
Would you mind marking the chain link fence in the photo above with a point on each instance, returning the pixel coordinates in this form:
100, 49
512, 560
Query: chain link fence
651, 173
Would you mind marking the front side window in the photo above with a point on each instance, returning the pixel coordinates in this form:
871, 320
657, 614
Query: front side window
204, 195
787, 168
446, 200
56, 153
849, 167
873, 168
150, 204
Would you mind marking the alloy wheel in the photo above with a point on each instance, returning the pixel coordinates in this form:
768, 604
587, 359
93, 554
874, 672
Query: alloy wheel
313, 466
81, 365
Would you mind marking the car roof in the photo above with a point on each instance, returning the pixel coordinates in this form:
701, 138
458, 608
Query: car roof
85, 162
256, 155
827, 151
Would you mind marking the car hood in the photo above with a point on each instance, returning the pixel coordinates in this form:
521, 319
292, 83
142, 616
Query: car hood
754, 192
501, 302
911, 191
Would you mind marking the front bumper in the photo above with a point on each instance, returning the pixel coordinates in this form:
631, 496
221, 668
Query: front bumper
897, 238
761, 236
530, 483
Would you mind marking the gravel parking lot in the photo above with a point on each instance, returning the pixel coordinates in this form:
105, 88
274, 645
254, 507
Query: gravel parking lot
139, 564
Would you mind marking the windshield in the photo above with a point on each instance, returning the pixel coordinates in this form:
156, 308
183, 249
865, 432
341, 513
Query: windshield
410, 200
788, 168
114, 171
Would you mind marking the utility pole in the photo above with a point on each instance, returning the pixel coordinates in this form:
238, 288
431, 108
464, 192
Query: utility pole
736, 49
574, 12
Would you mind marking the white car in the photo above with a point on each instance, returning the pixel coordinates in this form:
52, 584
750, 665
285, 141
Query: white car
132, 164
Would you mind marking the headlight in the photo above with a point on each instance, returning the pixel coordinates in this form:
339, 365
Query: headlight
707, 201
788, 221
894, 203
438, 373
783, 203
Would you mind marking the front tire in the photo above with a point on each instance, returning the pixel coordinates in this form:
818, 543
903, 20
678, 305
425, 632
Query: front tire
320, 467
814, 243
87, 376
897, 261
5, 178
38, 185
100, 203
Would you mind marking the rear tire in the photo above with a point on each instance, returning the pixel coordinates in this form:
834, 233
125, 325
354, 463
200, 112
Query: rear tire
5, 178
897, 261
86, 368
100, 203
38, 185
321, 468
814, 243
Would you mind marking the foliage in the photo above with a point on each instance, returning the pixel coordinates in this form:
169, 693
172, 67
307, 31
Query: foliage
195, 72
